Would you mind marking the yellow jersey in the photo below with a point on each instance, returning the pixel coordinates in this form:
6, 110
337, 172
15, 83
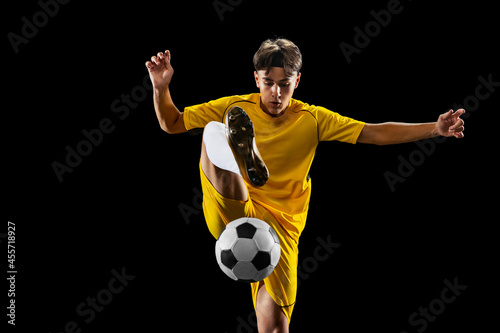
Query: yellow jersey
287, 144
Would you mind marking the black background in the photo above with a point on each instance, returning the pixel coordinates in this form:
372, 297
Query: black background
119, 208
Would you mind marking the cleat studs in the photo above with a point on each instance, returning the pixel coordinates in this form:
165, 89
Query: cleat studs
233, 131
231, 117
240, 145
243, 129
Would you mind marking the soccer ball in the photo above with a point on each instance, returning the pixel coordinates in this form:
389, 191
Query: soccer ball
248, 249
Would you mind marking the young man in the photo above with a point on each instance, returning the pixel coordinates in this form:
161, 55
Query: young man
271, 182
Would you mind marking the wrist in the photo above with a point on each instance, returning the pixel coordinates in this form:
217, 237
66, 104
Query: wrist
160, 89
435, 130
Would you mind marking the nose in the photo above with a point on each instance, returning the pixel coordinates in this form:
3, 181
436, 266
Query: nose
276, 91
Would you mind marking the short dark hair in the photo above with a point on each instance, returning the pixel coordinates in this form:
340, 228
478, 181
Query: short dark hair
278, 52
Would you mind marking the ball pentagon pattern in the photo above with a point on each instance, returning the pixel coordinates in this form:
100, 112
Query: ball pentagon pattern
247, 250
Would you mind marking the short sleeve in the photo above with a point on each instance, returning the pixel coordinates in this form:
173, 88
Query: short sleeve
198, 116
332, 126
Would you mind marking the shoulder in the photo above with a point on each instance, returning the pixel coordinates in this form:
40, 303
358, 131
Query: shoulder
220, 104
317, 112
297, 105
249, 98
224, 103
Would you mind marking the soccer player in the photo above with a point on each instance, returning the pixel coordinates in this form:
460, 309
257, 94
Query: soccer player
256, 153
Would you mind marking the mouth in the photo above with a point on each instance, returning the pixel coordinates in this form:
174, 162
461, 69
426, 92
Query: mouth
275, 104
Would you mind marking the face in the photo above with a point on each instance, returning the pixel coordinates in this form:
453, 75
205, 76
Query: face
276, 89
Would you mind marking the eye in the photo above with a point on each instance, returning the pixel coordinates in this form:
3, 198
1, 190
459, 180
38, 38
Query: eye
284, 85
270, 84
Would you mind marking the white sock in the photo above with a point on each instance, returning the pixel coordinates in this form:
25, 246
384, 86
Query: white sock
218, 150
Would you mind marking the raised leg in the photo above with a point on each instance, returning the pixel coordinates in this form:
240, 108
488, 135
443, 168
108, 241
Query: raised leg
216, 162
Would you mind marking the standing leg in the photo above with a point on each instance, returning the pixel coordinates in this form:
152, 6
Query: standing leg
270, 317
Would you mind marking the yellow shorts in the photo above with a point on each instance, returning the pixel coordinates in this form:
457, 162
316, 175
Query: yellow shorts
219, 211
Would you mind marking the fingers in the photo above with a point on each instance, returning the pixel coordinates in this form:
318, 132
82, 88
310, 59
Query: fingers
459, 112
458, 124
447, 115
164, 56
450, 113
158, 59
455, 123
457, 129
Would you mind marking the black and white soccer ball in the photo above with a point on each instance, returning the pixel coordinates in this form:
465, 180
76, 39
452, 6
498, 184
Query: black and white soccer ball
248, 249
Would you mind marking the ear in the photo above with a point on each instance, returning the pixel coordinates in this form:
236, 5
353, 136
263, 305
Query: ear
256, 76
298, 80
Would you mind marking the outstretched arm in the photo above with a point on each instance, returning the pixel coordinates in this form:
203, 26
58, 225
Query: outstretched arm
448, 124
160, 71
